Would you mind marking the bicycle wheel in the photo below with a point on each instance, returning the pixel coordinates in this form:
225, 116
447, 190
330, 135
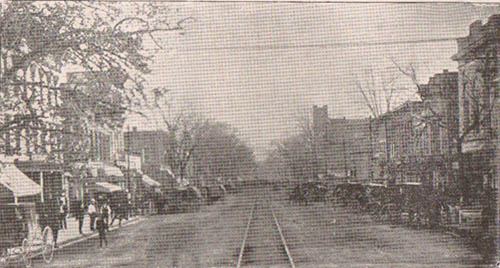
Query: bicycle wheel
26, 253
47, 245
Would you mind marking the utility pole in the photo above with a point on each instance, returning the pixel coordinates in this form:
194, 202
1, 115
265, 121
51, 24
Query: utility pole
129, 188
370, 176
387, 147
343, 146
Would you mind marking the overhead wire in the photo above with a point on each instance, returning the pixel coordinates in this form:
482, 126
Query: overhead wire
325, 45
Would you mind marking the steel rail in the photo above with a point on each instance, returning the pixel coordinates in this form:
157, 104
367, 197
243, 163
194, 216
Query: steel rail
242, 249
280, 231
287, 250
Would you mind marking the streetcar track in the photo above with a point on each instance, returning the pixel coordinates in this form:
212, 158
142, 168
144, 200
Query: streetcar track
246, 250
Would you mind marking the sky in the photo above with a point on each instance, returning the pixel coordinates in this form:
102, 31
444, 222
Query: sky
260, 66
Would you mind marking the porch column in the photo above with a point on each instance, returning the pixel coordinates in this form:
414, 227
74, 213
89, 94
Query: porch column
41, 185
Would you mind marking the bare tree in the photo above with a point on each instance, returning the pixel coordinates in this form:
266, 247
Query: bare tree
479, 98
378, 90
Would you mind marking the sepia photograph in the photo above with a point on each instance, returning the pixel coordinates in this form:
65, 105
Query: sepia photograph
283, 133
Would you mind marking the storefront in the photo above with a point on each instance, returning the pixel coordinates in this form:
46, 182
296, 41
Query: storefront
150, 194
49, 175
479, 170
16, 187
86, 175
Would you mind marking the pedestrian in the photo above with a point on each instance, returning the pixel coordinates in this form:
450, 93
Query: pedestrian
105, 210
43, 215
53, 220
117, 214
80, 215
101, 227
128, 208
92, 214
63, 212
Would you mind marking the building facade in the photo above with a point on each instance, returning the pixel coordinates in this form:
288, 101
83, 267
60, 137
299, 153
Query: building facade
93, 140
31, 130
342, 146
440, 99
401, 145
478, 59
152, 147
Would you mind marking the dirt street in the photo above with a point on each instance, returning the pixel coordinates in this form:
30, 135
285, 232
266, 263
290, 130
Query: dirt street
318, 235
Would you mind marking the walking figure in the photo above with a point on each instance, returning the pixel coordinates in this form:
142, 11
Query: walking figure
92, 214
105, 211
118, 213
80, 215
53, 219
101, 227
63, 212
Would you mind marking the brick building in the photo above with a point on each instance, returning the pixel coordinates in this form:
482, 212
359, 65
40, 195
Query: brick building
400, 141
440, 99
31, 133
152, 146
342, 146
478, 59
92, 140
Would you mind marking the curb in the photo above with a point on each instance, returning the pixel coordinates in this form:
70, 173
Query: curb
81, 238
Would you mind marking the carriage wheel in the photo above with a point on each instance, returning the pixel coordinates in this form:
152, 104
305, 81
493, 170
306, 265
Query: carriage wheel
47, 245
26, 253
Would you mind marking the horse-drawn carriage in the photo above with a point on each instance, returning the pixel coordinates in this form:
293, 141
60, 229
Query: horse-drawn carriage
308, 192
383, 203
181, 199
418, 210
21, 235
348, 194
213, 192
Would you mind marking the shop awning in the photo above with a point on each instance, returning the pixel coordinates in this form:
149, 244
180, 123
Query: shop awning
150, 182
107, 187
112, 171
107, 170
412, 183
18, 183
473, 146
376, 184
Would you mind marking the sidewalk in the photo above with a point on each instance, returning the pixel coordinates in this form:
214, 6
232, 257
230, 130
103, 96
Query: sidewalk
67, 237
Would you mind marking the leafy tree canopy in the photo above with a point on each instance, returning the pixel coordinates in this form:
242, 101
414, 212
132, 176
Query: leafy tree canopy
41, 42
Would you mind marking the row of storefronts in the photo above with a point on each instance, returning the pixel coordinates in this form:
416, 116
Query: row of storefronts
32, 181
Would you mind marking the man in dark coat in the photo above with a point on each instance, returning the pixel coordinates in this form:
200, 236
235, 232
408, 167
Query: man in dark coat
101, 227
53, 218
118, 213
79, 215
41, 210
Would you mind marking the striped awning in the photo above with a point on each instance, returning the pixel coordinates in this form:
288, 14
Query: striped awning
18, 183
150, 182
107, 187
107, 170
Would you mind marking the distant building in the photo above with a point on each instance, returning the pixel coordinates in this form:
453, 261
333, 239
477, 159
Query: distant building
400, 141
343, 146
93, 141
440, 98
152, 146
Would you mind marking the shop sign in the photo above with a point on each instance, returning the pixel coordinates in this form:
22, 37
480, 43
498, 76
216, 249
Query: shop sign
473, 146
